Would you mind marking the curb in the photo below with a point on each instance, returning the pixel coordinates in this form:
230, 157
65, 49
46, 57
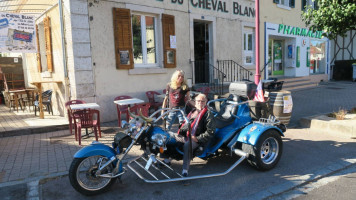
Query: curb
34, 130
316, 122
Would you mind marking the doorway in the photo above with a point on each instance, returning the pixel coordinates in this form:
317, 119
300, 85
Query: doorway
276, 54
201, 52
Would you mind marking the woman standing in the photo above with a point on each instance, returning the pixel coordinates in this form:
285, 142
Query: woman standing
176, 92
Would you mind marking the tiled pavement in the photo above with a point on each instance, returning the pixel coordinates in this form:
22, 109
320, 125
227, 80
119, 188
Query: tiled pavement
30, 156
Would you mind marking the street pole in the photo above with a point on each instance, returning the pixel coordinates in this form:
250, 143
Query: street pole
257, 41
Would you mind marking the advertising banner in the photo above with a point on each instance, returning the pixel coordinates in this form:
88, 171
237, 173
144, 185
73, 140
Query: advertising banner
17, 33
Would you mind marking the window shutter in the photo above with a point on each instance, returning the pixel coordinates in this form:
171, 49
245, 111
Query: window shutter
276, 1
168, 29
292, 3
48, 39
123, 38
38, 55
304, 3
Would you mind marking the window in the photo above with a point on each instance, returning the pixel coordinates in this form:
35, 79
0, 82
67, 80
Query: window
313, 4
285, 3
136, 39
248, 46
144, 40
44, 46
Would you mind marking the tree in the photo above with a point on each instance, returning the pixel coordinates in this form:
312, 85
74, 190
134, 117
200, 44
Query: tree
335, 17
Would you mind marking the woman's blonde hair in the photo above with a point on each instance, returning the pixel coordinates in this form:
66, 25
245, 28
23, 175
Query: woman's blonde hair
173, 83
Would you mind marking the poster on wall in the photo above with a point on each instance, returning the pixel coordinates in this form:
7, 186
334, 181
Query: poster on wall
290, 51
17, 33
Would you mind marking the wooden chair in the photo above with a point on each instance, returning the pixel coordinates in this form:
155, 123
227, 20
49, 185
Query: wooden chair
29, 99
86, 119
121, 109
70, 113
151, 99
10, 101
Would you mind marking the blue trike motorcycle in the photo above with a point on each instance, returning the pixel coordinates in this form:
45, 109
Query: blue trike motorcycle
96, 167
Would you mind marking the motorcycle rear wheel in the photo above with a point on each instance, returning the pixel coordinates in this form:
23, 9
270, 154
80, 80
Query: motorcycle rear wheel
267, 151
82, 175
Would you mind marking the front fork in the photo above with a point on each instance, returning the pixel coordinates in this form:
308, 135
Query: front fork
119, 157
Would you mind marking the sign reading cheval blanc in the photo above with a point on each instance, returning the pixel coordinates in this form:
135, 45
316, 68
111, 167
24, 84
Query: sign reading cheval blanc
17, 33
222, 6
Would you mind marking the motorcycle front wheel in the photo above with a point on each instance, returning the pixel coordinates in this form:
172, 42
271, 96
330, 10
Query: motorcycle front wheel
82, 175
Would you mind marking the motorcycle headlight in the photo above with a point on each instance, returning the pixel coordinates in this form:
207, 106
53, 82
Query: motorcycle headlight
159, 139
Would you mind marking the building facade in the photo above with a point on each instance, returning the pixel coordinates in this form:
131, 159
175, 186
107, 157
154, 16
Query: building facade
103, 49
288, 47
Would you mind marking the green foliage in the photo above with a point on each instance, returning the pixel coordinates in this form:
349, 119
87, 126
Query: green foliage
335, 17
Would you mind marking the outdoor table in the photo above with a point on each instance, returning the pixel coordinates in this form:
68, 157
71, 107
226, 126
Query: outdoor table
38, 84
128, 101
84, 106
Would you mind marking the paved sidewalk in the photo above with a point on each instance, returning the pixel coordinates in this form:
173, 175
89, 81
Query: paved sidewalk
34, 156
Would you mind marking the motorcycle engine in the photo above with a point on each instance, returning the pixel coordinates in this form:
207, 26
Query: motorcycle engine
121, 141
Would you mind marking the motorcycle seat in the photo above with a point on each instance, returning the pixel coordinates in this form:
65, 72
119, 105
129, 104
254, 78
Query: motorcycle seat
224, 117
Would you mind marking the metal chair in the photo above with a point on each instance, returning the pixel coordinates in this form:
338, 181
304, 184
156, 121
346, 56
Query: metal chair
151, 99
86, 119
46, 100
121, 109
70, 113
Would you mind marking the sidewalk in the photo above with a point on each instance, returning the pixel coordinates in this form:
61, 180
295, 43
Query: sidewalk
38, 155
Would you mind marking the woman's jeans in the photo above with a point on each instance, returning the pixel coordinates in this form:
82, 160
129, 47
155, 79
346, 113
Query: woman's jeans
172, 117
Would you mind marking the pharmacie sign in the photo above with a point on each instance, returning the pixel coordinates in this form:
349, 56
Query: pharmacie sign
291, 30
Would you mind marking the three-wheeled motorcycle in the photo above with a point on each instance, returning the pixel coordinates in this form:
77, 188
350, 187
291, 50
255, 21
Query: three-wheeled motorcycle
96, 167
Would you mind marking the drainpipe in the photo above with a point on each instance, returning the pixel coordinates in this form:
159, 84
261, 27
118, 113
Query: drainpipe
64, 52
257, 41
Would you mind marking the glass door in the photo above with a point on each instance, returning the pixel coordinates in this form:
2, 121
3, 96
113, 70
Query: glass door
277, 62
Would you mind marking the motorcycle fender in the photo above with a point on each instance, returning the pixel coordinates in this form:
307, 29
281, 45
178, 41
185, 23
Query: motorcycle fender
251, 133
95, 149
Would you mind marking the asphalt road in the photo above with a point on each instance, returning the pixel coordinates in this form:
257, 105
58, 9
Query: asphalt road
340, 185
307, 155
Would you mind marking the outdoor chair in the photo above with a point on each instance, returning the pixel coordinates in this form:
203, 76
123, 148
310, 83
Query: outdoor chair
205, 90
86, 119
29, 99
46, 101
10, 101
151, 99
70, 113
144, 107
121, 109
